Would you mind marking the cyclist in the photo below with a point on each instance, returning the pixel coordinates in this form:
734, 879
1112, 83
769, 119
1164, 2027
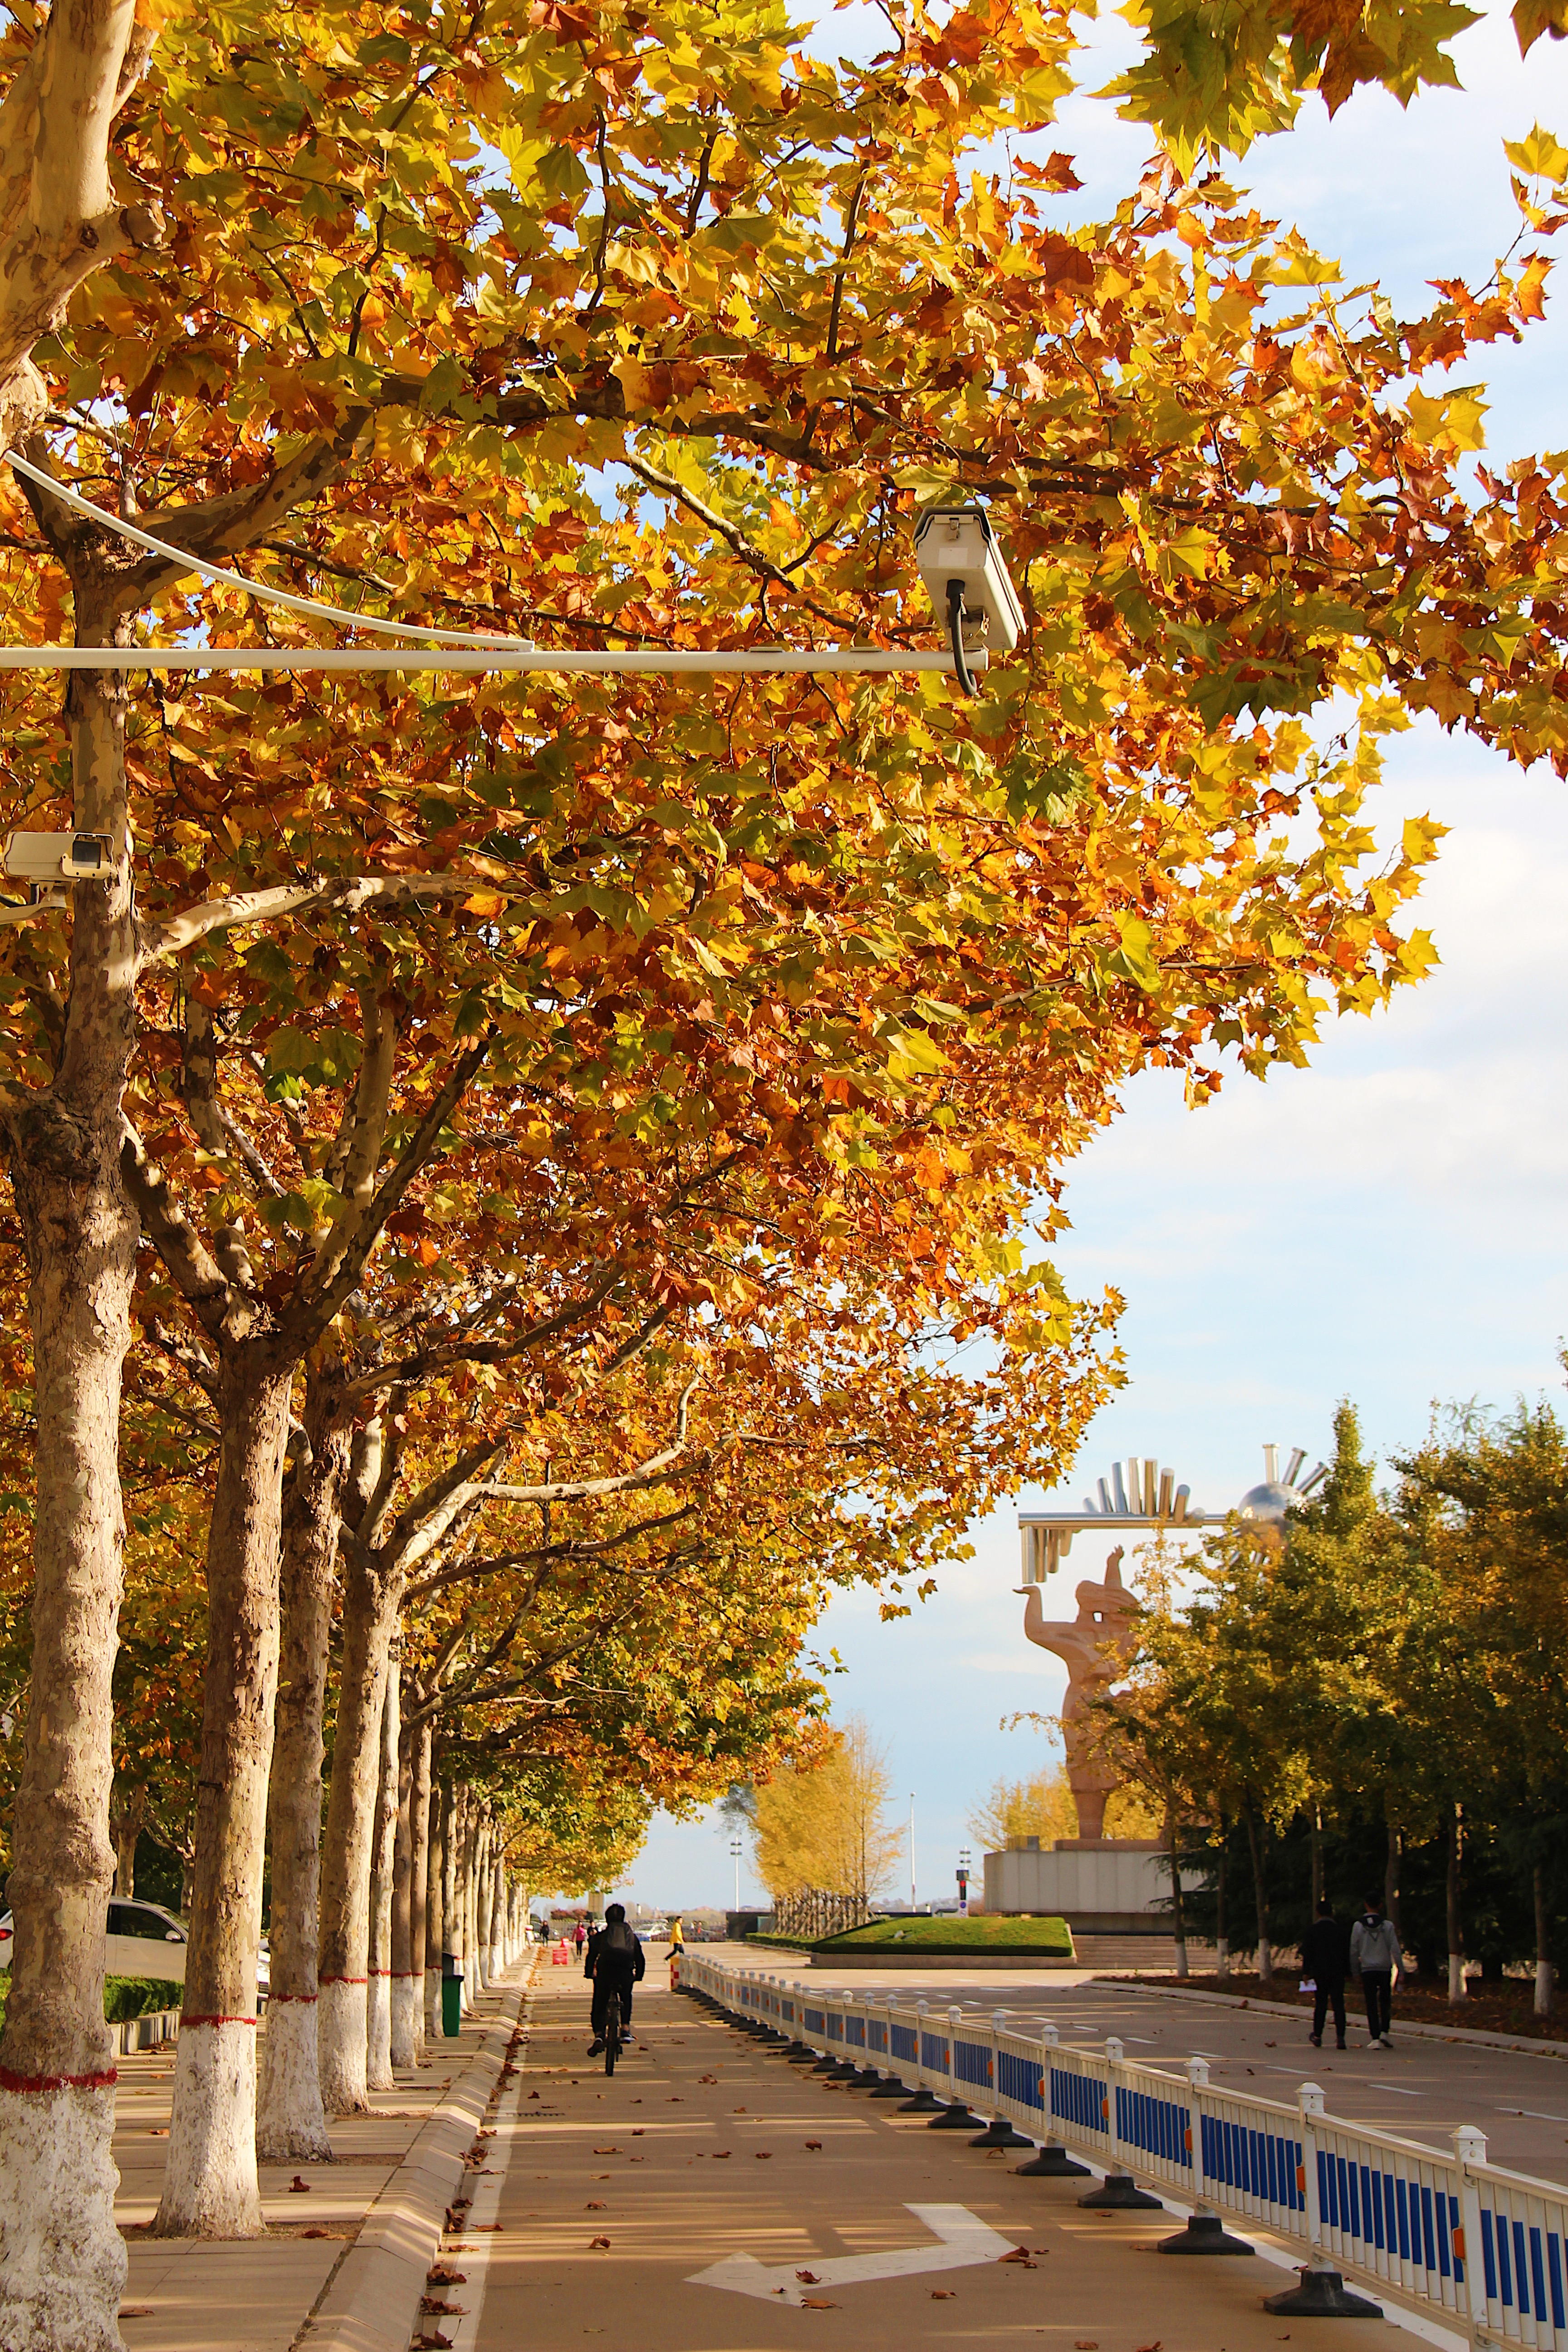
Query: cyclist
613, 1960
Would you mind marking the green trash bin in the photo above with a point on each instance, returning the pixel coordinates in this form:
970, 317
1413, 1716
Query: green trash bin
451, 1994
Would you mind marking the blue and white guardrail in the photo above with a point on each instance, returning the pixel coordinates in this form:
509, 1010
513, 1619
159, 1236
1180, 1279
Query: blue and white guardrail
1479, 2249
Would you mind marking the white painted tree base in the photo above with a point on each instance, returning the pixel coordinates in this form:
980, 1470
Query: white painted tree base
210, 2188
405, 2035
62, 2261
290, 2120
341, 2022
1544, 1974
498, 1960
432, 2004
378, 2072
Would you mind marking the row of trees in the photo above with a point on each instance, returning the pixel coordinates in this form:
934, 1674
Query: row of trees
1377, 1704
520, 1191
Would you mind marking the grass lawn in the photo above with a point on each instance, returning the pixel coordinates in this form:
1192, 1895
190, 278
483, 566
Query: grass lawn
988, 1934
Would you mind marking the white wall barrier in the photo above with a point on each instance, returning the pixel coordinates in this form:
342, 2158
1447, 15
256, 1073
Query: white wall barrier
1479, 2249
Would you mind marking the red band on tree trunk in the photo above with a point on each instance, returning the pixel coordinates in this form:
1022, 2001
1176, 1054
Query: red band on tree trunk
32, 2083
280, 1998
327, 1980
216, 2020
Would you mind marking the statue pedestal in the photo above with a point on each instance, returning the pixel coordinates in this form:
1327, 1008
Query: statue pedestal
1100, 1887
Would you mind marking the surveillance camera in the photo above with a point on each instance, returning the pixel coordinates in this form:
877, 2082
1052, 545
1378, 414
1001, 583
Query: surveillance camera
962, 566
54, 856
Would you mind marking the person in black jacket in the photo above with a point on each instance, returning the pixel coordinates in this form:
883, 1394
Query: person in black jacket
1325, 1950
614, 1958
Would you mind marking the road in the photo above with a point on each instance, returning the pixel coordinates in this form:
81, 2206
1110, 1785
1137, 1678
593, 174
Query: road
1421, 2089
808, 2208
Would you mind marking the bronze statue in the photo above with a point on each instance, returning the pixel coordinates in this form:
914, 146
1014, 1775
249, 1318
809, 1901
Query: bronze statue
1095, 1649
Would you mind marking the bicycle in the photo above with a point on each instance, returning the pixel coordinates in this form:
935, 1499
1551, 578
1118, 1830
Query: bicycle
612, 2031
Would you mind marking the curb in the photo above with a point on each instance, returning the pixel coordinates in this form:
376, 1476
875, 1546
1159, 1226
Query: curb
1478, 2034
371, 2302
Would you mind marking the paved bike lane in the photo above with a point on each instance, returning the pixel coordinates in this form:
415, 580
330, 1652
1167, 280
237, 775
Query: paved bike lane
710, 2153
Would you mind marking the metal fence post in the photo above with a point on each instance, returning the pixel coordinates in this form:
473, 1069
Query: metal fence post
1470, 2147
1322, 2294
1204, 2232
956, 2114
1119, 2194
1053, 2162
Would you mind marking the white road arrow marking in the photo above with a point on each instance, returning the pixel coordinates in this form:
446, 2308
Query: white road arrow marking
960, 2241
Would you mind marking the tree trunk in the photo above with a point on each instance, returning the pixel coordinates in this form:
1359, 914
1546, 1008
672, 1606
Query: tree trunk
290, 2121
1455, 1921
125, 1824
1542, 1943
482, 1902
370, 1600
1221, 1940
470, 1837
64, 2262
451, 1883
1391, 1874
1178, 1914
378, 2072
434, 1908
405, 2043
209, 2184
419, 1891
1317, 1858
499, 1955
1256, 1846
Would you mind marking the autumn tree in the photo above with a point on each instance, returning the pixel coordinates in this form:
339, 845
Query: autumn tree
827, 1827
364, 355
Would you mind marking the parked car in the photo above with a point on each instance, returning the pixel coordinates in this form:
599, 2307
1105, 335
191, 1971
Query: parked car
142, 1940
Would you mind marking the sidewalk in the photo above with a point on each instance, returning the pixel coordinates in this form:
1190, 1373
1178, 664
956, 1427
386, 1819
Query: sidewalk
808, 2208
256, 2294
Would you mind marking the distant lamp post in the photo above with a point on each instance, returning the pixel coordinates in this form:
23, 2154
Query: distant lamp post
964, 1860
737, 1848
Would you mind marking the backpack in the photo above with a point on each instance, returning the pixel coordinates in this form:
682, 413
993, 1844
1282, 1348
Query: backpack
619, 1937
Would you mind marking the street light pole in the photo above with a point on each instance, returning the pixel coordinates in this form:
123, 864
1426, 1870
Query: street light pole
911, 1849
737, 1847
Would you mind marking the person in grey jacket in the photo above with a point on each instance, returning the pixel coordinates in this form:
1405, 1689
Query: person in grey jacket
1376, 1960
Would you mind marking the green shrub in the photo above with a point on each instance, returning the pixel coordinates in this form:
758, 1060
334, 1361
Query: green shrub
123, 1996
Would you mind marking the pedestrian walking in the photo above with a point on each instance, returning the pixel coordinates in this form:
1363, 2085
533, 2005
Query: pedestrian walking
578, 1937
1325, 1952
676, 1941
1376, 1960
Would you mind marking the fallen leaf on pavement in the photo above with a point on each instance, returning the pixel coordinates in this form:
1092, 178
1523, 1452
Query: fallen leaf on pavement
598, 2242
442, 2276
816, 2303
314, 2232
814, 2143
762, 2155
298, 2188
533, 2094
942, 2294
159, 2131
808, 2278
483, 2227
737, 2111
639, 2129
720, 2155
606, 2151
594, 2205
1086, 2344
1018, 2254
1156, 2347
708, 2078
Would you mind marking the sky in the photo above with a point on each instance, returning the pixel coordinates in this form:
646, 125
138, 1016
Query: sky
1388, 1225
